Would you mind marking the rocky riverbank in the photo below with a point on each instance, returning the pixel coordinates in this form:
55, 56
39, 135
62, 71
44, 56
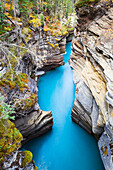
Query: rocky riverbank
34, 122
92, 63
32, 39
20, 90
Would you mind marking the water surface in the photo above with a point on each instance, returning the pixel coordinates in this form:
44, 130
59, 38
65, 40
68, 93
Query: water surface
67, 146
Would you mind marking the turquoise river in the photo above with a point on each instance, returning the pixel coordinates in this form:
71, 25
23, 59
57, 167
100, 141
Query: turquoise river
67, 146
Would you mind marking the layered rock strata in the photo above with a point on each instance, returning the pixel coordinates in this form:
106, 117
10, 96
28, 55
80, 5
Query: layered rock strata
34, 124
49, 49
22, 92
30, 120
92, 63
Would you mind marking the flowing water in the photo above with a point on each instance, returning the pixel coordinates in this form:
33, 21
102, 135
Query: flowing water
67, 146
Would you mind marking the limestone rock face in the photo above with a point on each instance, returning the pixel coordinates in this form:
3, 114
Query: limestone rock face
52, 55
48, 48
34, 124
52, 62
92, 63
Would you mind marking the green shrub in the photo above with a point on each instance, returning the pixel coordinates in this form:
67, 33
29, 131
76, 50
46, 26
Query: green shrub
42, 18
6, 110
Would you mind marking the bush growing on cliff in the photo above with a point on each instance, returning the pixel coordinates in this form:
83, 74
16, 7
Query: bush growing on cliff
6, 110
42, 19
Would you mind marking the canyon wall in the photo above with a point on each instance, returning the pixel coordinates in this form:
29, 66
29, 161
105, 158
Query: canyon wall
92, 63
22, 90
32, 121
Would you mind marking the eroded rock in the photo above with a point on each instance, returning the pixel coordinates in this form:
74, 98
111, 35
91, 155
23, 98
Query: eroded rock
91, 60
22, 93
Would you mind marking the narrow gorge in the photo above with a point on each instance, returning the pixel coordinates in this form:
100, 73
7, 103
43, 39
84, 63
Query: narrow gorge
56, 66
63, 146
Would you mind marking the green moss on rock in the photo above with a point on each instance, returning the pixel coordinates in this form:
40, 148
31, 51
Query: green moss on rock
20, 81
12, 79
10, 141
27, 158
10, 138
27, 102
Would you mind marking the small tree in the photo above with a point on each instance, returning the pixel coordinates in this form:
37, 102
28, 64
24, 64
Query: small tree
42, 18
6, 110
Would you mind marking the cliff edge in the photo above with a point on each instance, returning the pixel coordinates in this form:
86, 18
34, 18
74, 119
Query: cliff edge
92, 63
